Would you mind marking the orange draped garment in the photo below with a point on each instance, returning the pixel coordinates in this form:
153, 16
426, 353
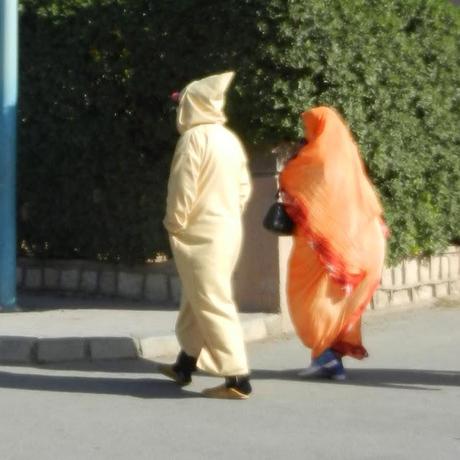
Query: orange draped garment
339, 239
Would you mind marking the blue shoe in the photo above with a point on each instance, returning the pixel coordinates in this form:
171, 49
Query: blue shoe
313, 370
337, 372
327, 359
328, 364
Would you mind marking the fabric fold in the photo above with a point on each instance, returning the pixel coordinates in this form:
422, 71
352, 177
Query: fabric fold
339, 241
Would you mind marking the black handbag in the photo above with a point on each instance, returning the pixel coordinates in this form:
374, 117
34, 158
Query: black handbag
277, 220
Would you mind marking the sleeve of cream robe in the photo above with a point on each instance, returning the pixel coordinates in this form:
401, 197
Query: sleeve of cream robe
182, 185
245, 186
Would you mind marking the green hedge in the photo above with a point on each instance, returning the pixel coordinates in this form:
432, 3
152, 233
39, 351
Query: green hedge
97, 130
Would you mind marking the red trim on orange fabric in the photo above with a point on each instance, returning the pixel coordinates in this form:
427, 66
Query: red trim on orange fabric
337, 270
332, 262
347, 349
358, 352
360, 310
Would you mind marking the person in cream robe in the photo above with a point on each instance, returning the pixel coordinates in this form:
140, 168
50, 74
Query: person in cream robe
208, 189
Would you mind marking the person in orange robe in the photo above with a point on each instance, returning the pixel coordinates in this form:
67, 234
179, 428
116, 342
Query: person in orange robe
339, 242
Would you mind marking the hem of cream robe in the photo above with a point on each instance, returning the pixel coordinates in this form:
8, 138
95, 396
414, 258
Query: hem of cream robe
208, 326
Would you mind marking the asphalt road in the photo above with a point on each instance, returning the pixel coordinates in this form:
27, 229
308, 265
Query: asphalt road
403, 402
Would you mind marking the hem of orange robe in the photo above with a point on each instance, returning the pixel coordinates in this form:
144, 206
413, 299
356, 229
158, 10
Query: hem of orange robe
356, 315
347, 349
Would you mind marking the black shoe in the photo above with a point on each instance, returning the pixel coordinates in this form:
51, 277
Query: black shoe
240, 383
179, 377
181, 371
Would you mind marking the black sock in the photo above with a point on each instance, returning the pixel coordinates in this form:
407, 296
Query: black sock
185, 364
240, 383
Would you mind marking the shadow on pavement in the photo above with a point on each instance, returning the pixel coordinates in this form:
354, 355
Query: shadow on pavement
409, 379
135, 366
139, 388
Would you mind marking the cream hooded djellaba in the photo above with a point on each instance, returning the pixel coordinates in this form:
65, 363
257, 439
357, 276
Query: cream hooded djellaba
208, 189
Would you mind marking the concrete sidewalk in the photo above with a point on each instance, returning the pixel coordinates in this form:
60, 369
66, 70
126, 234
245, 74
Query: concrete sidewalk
53, 329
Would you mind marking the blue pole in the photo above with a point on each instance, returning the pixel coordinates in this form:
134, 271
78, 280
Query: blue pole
8, 101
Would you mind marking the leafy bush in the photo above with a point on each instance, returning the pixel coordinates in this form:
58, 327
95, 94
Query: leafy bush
97, 132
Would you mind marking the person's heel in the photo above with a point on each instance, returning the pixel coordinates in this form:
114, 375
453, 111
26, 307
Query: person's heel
335, 369
235, 387
181, 371
328, 364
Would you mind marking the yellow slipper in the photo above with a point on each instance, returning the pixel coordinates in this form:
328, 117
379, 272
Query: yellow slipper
168, 371
222, 392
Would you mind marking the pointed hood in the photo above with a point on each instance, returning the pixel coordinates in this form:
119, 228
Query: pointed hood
203, 101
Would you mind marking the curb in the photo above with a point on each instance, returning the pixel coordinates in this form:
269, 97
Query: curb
36, 350
40, 350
